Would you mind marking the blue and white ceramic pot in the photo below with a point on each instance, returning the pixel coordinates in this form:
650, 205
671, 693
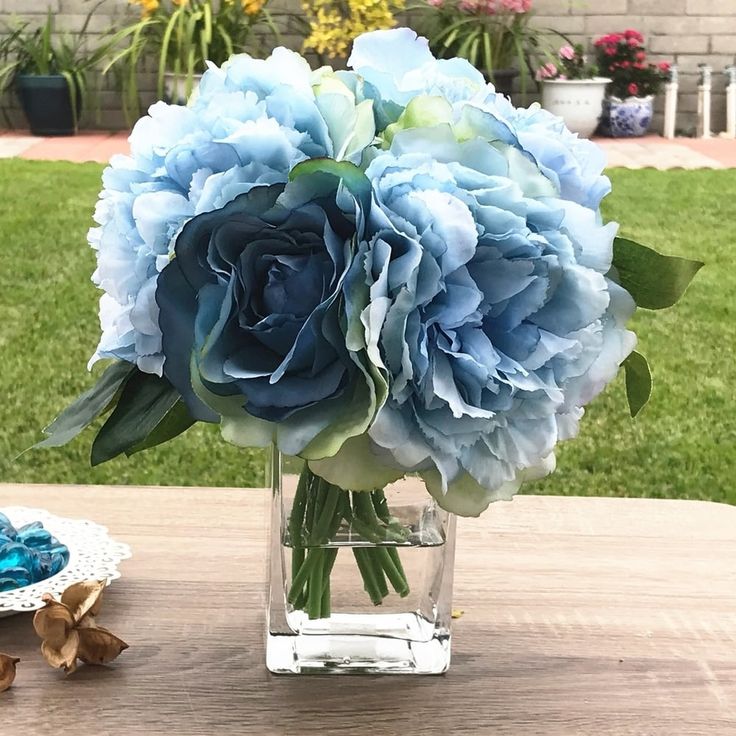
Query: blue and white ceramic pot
627, 118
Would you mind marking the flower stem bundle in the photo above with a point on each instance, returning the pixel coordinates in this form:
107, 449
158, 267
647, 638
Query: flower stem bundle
318, 512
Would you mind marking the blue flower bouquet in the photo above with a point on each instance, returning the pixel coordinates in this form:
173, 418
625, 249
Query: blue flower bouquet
383, 273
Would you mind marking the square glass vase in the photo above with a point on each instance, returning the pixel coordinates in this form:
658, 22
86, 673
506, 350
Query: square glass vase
359, 582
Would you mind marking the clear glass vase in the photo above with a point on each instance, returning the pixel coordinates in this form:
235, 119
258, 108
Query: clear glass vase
360, 582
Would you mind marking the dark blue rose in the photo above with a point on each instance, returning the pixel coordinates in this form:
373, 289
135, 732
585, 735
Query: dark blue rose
252, 314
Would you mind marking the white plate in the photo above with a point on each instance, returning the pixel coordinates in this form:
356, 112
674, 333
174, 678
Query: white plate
92, 556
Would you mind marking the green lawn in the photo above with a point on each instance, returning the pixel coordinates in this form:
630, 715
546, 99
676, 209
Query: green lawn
682, 445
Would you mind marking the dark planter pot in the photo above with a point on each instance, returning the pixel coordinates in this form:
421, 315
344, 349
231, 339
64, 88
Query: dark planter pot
503, 80
47, 104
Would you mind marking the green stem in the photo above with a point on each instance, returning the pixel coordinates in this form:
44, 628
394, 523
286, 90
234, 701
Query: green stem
325, 519
396, 577
314, 587
300, 579
367, 572
296, 523
318, 510
383, 512
330, 555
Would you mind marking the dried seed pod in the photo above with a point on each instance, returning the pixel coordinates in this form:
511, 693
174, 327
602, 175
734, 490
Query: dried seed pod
69, 630
7, 671
99, 646
84, 598
64, 656
53, 622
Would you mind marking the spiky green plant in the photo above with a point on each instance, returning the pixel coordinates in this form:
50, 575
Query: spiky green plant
40, 51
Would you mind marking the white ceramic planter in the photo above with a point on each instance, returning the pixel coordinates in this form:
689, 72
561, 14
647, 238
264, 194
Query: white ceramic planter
175, 87
579, 102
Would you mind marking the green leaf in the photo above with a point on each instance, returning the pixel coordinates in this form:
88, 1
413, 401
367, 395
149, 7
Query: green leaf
90, 405
656, 281
638, 382
145, 401
176, 421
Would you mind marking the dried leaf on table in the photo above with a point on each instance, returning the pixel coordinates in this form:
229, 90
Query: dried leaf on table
7, 671
70, 632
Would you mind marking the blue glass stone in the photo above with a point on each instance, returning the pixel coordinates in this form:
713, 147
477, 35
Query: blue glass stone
29, 554
58, 563
46, 546
42, 566
21, 576
28, 527
7, 584
36, 538
15, 555
59, 560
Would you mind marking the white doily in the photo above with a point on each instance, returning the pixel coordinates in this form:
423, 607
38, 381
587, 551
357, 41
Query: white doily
92, 556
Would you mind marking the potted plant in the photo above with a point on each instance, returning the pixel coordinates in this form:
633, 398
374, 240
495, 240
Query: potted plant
572, 89
49, 73
183, 35
495, 36
635, 81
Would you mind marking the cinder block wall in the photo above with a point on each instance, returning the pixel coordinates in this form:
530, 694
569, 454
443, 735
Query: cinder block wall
688, 32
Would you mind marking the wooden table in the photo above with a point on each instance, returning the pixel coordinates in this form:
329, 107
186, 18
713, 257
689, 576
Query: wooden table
586, 616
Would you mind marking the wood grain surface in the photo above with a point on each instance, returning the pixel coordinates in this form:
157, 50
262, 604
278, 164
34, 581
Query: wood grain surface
591, 616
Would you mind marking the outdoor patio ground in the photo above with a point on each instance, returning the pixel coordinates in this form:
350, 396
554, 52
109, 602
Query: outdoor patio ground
634, 153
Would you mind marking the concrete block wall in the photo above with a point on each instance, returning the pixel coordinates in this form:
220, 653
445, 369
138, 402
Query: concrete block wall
687, 32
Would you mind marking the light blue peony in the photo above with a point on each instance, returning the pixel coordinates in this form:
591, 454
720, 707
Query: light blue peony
482, 292
250, 123
398, 66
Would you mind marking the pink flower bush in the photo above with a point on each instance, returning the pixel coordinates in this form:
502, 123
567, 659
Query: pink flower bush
490, 7
572, 65
625, 58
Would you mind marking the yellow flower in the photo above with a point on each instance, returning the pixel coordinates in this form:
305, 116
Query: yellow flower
334, 24
148, 7
252, 7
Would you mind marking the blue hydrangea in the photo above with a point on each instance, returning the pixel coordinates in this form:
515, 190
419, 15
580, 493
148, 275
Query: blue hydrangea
250, 123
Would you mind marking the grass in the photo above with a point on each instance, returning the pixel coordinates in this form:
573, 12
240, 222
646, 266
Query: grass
681, 446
